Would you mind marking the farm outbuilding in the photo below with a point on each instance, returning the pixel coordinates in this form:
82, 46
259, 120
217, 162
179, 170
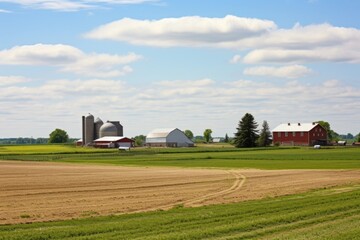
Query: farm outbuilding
168, 137
305, 134
113, 142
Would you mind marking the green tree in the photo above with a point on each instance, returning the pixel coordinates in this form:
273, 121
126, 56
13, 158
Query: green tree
139, 140
265, 135
189, 134
207, 135
358, 138
330, 132
226, 139
58, 136
246, 134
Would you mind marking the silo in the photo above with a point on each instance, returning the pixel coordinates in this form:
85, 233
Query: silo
89, 129
97, 125
83, 130
119, 128
108, 129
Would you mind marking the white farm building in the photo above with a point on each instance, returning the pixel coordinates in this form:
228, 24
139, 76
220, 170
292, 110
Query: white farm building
168, 137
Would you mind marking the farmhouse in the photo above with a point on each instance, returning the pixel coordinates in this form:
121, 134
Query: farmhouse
305, 134
168, 137
112, 142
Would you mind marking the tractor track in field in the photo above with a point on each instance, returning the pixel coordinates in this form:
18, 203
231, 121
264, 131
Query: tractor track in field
239, 181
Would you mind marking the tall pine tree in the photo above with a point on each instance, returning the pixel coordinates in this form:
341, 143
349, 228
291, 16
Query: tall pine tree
246, 134
265, 135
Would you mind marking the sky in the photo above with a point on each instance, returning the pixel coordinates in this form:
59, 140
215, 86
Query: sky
177, 63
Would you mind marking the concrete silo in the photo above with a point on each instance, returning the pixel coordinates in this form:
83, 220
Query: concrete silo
97, 125
108, 129
89, 129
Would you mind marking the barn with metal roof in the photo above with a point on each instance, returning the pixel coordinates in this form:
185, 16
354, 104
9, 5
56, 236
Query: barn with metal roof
168, 137
305, 134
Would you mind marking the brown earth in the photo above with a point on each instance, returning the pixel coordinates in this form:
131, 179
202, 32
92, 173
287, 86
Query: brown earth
35, 191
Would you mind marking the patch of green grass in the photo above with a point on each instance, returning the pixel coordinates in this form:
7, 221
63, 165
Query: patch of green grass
260, 158
322, 214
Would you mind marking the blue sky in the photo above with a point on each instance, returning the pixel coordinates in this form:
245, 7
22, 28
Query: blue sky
186, 64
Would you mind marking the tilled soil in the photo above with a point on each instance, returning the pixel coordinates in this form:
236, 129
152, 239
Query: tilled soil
37, 191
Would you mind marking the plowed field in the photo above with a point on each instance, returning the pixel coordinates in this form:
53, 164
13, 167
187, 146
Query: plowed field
36, 191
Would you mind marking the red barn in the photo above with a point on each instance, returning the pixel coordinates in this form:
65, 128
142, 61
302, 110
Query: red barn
113, 142
305, 134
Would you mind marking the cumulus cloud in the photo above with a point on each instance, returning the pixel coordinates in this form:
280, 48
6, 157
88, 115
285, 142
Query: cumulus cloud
66, 5
265, 41
312, 43
12, 80
193, 31
69, 59
235, 59
292, 71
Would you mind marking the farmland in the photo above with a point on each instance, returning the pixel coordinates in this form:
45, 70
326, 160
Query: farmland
207, 192
205, 157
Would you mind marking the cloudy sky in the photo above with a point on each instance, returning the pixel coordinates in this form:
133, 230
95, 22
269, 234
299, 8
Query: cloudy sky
177, 63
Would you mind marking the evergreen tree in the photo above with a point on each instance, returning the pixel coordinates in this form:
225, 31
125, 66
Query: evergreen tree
226, 139
265, 135
246, 134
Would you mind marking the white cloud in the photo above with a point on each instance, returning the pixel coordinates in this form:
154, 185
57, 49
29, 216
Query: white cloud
4, 11
266, 42
12, 80
69, 59
235, 59
70, 5
191, 31
192, 104
311, 43
292, 71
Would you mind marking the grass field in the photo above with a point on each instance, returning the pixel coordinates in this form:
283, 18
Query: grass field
218, 157
324, 214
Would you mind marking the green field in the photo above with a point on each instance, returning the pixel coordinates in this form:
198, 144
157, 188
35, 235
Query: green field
206, 157
325, 214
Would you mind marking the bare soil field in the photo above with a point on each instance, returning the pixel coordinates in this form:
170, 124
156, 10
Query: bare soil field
37, 191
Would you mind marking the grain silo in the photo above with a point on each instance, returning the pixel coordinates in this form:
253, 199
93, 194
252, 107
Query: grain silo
119, 128
97, 125
108, 129
89, 129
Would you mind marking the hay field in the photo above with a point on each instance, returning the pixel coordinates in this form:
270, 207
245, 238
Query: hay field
44, 191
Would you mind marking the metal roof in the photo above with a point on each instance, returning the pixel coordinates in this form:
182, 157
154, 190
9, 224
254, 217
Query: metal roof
295, 127
110, 139
160, 133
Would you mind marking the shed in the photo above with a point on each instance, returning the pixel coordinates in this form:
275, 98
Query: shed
114, 142
305, 134
168, 137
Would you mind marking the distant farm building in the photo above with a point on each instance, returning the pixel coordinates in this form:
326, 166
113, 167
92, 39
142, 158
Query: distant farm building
168, 137
112, 142
99, 134
304, 134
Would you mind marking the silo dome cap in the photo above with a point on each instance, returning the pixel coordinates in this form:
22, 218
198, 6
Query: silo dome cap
108, 129
98, 120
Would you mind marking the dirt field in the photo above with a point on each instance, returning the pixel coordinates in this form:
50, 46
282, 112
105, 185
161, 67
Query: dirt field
34, 191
